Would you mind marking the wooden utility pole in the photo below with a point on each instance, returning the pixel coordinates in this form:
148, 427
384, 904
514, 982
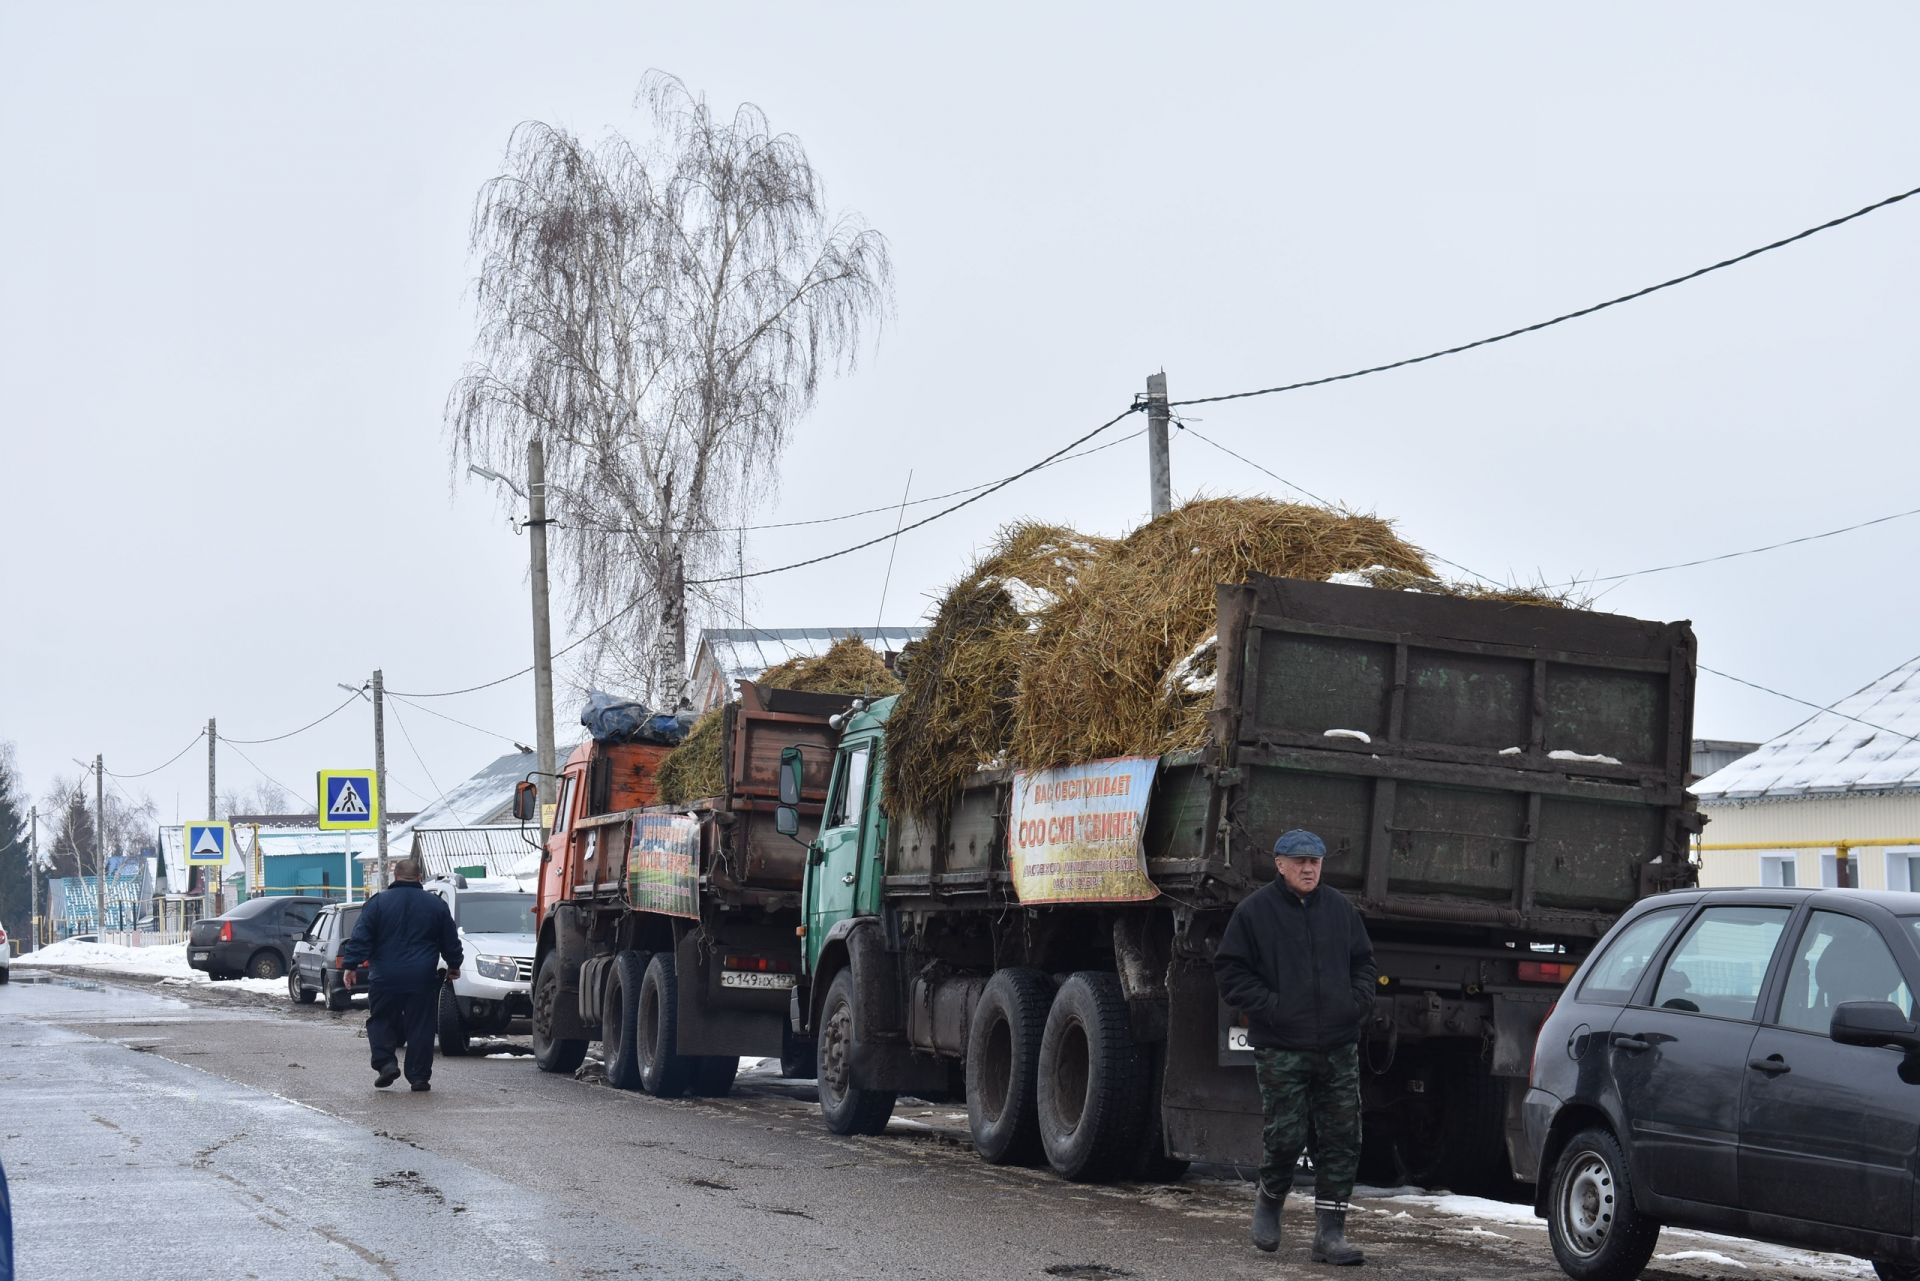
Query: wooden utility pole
379, 774
1159, 468
33, 878
100, 846
542, 635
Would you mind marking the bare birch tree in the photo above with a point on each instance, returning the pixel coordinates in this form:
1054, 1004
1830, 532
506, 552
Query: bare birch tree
661, 319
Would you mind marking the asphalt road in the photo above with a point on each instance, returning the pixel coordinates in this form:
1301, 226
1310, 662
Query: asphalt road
155, 1132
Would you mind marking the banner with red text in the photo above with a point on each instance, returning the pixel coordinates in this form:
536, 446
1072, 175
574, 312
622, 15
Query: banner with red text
1079, 832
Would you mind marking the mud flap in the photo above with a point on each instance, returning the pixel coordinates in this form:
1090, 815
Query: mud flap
1211, 1112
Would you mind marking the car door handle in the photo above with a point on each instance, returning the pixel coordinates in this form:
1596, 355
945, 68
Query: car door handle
847, 879
1773, 1065
1631, 1043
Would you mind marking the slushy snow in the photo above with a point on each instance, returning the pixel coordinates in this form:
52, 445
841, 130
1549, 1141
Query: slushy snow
165, 961
1583, 758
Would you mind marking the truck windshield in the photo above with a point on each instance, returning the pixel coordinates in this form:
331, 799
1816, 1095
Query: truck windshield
495, 913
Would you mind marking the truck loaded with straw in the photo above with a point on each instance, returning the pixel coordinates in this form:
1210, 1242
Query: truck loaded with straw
1026, 858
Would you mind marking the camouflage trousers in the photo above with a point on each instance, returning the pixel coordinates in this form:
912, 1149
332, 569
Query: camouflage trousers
1310, 1093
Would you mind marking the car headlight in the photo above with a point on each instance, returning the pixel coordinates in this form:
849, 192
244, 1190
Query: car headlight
496, 967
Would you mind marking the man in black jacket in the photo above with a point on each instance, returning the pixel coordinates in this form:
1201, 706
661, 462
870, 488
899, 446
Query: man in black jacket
403, 932
1296, 960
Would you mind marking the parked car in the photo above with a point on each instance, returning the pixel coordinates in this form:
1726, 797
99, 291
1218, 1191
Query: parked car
1739, 1061
315, 971
254, 939
495, 987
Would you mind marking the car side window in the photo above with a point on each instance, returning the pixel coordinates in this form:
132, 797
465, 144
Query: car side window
1720, 965
301, 914
1840, 959
1617, 973
850, 788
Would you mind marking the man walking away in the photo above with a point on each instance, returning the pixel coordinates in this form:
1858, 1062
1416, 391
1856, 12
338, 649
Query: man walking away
403, 932
1296, 960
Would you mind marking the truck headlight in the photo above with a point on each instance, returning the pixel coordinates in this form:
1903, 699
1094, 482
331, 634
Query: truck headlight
496, 967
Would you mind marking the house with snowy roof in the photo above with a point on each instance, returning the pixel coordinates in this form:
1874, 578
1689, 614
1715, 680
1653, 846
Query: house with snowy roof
1833, 801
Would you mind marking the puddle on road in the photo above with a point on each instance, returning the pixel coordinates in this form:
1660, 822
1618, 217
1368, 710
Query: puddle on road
57, 980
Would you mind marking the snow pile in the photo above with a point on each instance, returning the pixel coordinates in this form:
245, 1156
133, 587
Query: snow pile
1581, 757
1511, 751
1028, 601
1357, 577
164, 961
1198, 672
1358, 735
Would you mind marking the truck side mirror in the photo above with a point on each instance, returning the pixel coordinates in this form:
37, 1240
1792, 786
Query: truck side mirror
791, 773
786, 821
526, 801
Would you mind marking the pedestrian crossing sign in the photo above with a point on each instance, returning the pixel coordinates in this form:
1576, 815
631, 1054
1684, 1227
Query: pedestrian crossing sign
348, 799
207, 843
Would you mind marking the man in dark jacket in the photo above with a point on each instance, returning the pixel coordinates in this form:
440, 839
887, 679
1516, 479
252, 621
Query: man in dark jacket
1296, 960
402, 933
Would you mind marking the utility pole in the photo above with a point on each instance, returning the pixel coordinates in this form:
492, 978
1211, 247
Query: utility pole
1159, 470
100, 846
542, 635
33, 878
212, 738
379, 773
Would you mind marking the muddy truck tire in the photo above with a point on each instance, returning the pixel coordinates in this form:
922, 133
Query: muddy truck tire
1003, 1066
551, 1053
1093, 1081
620, 1020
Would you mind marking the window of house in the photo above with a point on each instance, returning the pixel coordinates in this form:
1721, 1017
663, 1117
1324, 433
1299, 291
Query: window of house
1840, 959
1721, 963
1778, 870
1903, 869
1618, 971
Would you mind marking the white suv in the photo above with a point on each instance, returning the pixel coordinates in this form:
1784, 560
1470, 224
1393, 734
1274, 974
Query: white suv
495, 987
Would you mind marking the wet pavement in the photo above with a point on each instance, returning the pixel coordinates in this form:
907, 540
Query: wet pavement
155, 1132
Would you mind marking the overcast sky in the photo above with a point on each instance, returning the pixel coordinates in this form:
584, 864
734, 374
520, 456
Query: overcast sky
233, 299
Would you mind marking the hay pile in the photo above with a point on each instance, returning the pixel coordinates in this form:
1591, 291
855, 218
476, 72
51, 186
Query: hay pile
697, 768
956, 712
1399, 580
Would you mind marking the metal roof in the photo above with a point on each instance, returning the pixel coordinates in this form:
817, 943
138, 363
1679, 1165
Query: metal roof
728, 654
1869, 742
499, 849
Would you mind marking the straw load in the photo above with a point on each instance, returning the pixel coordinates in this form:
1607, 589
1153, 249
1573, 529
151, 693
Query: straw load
1058, 647
697, 767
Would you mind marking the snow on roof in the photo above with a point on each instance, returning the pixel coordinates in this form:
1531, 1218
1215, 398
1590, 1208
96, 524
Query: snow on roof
1868, 742
485, 798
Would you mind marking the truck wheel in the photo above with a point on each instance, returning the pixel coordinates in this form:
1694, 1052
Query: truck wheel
299, 995
551, 1053
846, 1108
664, 1073
1092, 1098
618, 1011
1596, 1232
713, 1076
1003, 1066
453, 1028
338, 998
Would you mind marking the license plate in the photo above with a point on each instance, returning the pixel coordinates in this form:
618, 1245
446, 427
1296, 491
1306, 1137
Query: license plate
200, 956
1237, 1042
754, 978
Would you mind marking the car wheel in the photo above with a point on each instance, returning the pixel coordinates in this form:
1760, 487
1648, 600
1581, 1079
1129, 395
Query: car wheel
1093, 1080
1003, 1066
552, 1053
453, 1028
265, 964
338, 998
298, 994
1596, 1232
844, 1106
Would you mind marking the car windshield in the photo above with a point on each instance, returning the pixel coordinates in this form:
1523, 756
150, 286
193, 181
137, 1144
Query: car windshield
495, 913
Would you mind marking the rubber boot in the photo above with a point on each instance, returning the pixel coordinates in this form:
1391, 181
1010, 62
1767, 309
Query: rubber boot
1330, 1239
1266, 1219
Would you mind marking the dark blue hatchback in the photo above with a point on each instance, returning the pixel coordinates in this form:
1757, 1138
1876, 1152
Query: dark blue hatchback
1739, 1061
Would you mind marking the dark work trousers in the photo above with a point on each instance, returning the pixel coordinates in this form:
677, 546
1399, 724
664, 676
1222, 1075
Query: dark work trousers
403, 1014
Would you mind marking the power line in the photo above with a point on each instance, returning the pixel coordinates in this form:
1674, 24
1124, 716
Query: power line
170, 760
1750, 551
1560, 319
401, 722
255, 742
1831, 707
1056, 456
262, 773
422, 707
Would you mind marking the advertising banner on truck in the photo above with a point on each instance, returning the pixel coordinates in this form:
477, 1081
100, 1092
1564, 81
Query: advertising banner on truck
1079, 832
663, 868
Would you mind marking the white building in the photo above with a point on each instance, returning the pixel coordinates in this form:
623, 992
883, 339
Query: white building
1833, 801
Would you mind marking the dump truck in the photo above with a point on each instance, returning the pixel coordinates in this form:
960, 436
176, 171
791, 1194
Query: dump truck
669, 933
1495, 783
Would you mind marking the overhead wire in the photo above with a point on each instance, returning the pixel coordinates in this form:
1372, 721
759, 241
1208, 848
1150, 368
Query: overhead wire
1563, 318
478, 729
156, 769
1832, 707
256, 742
1749, 551
402, 723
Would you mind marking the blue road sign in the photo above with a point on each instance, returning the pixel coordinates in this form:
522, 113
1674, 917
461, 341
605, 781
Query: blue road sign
347, 799
208, 842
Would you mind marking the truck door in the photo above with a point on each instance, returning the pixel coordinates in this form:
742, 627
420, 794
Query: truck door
833, 871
